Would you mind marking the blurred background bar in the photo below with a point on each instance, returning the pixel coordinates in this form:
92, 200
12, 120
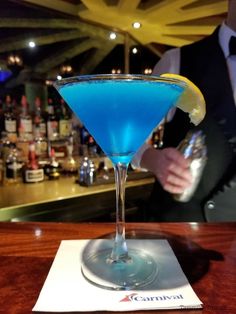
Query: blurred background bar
43, 146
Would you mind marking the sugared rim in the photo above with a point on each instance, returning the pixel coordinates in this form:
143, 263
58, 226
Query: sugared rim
117, 77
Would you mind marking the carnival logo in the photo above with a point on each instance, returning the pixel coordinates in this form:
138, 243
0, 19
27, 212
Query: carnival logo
135, 297
128, 298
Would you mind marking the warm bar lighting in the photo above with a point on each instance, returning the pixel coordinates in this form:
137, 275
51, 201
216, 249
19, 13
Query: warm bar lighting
134, 50
14, 59
112, 36
31, 44
136, 25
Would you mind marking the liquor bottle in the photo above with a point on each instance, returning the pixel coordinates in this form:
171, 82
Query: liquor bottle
10, 121
14, 165
92, 147
103, 171
1, 118
39, 121
84, 135
1, 165
32, 172
53, 169
70, 164
41, 144
25, 128
65, 123
84, 138
52, 122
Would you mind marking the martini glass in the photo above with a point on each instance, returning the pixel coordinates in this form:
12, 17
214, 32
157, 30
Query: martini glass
120, 112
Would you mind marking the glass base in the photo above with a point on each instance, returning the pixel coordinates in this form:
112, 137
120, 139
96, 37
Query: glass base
137, 271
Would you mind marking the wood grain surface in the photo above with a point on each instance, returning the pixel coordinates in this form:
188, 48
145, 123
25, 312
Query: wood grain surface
206, 253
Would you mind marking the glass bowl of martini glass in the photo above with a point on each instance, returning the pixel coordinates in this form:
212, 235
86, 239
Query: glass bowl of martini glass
120, 112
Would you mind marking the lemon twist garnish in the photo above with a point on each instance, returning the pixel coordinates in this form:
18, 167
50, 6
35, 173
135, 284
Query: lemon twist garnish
191, 100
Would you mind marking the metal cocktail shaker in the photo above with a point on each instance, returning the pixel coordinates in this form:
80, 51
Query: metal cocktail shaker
193, 147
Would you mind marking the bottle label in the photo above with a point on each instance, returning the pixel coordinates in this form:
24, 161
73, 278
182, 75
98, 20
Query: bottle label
64, 128
26, 125
41, 148
10, 126
34, 175
42, 129
52, 127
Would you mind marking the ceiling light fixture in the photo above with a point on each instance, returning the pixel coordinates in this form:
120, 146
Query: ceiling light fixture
136, 25
134, 50
116, 71
31, 44
147, 71
66, 68
112, 35
48, 82
14, 60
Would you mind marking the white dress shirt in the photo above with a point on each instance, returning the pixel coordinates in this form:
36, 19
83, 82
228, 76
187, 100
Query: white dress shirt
170, 63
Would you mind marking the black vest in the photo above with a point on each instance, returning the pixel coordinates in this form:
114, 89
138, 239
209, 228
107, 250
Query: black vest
204, 63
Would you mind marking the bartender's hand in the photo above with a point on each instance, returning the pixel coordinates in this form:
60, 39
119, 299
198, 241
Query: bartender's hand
170, 168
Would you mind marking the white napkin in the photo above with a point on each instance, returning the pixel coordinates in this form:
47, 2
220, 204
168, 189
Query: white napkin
66, 289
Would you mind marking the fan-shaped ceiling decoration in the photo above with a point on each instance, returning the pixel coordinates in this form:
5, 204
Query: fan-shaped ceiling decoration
65, 30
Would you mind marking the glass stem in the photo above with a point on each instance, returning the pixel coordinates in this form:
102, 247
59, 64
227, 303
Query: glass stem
120, 250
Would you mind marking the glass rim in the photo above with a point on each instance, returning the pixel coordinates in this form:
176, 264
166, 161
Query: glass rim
117, 77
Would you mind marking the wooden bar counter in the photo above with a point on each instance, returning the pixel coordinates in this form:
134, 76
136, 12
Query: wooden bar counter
206, 253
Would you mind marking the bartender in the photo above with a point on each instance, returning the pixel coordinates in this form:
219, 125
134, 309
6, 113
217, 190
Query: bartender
210, 64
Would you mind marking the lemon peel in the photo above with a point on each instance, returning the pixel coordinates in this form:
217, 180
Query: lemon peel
191, 100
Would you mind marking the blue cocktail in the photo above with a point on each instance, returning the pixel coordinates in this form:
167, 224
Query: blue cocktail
120, 111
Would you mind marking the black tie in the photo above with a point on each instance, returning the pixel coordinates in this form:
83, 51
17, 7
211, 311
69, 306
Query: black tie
232, 46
